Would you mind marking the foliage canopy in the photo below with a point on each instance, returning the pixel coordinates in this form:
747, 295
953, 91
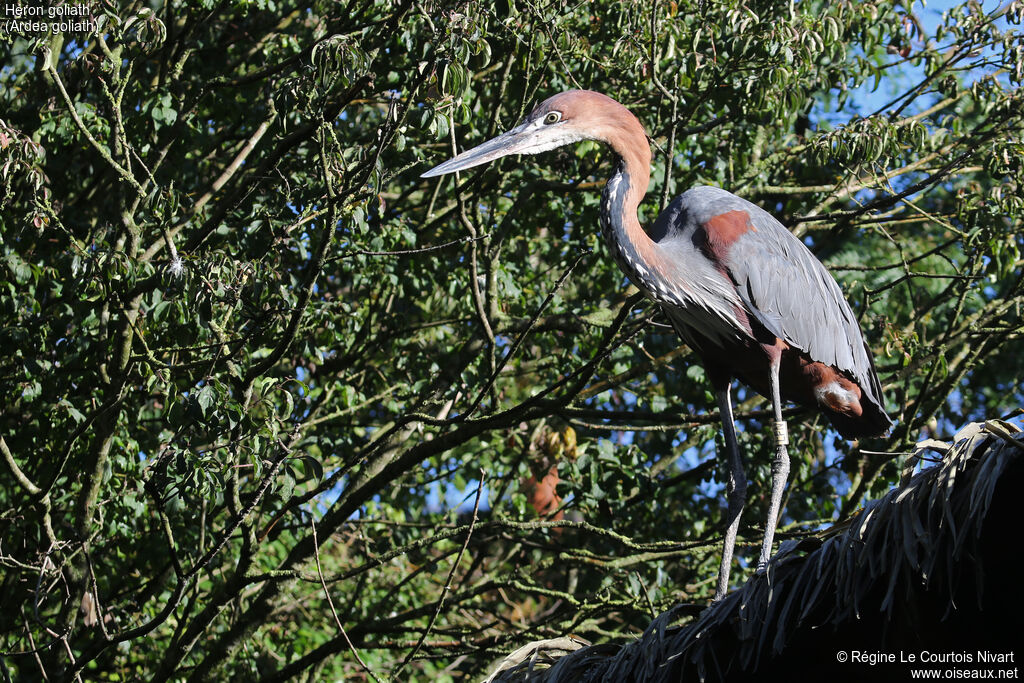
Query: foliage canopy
275, 407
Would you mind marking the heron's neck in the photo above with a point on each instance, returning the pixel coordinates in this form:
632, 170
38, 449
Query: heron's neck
632, 248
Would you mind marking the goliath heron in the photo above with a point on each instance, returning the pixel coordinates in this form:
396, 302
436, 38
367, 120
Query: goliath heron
745, 294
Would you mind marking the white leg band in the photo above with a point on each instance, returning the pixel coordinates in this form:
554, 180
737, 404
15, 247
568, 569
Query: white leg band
781, 433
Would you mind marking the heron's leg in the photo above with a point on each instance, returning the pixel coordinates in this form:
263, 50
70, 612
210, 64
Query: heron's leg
735, 489
780, 465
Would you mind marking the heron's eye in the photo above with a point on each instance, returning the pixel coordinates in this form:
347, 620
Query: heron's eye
552, 117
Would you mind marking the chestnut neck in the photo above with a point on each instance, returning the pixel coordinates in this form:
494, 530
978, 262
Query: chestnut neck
622, 196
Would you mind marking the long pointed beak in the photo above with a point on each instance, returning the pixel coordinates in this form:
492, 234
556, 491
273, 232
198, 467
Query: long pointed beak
512, 142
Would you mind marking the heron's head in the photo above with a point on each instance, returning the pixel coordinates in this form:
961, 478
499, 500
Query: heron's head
568, 117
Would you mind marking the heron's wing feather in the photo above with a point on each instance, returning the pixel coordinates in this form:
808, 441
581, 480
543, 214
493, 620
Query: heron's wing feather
792, 294
777, 280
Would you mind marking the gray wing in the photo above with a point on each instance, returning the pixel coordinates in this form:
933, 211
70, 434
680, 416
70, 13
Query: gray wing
792, 294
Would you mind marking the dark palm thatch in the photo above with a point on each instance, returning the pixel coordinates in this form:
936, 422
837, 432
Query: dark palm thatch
924, 567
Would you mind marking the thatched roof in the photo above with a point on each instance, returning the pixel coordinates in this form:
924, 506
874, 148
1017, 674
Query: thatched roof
905, 573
